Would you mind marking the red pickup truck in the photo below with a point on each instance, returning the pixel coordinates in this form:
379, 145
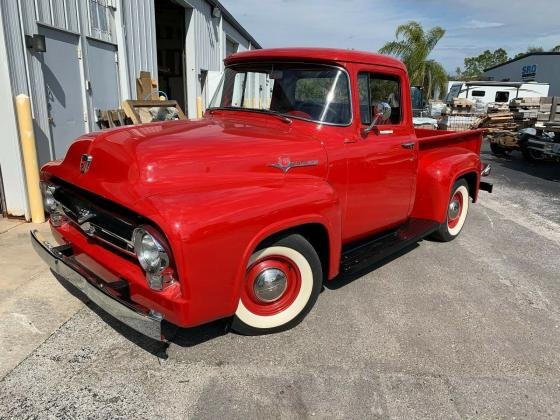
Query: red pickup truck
306, 166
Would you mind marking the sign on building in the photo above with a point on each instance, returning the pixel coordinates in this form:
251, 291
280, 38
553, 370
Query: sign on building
529, 72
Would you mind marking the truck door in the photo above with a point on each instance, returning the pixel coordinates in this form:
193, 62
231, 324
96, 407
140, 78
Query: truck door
381, 163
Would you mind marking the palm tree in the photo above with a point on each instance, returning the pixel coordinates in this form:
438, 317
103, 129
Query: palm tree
413, 46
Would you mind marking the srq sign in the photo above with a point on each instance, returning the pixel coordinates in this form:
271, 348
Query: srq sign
529, 72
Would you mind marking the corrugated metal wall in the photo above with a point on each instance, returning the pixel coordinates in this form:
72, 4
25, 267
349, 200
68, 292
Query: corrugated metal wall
128, 23
61, 14
14, 45
10, 162
208, 37
25, 70
140, 39
233, 34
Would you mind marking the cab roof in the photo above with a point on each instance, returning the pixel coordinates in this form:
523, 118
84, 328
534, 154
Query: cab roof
315, 54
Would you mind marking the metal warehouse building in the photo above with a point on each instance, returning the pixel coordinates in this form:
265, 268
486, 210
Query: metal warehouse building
74, 57
541, 67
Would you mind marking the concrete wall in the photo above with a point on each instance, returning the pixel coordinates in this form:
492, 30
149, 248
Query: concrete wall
547, 70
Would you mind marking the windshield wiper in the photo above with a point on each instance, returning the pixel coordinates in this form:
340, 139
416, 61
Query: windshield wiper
276, 114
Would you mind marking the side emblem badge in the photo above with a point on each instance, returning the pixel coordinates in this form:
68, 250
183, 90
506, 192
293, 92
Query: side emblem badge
85, 163
285, 164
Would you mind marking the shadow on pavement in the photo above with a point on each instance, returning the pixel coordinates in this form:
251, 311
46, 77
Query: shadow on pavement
184, 337
547, 170
345, 279
190, 337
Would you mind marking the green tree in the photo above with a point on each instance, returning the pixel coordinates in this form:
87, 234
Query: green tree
413, 46
529, 50
555, 49
474, 66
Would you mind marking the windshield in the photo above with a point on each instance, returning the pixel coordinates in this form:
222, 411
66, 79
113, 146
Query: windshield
453, 92
306, 91
417, 98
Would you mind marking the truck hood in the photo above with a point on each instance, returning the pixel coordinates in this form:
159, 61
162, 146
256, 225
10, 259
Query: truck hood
135, 162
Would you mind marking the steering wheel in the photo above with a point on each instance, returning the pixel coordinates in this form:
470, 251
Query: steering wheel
331, 116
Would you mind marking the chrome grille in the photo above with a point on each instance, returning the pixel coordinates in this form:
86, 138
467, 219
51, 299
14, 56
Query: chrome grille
97, 217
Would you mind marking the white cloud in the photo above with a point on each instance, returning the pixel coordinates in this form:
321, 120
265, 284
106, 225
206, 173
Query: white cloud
481, 24
472, 26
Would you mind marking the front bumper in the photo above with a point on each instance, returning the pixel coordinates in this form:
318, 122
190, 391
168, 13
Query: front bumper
548, 148
65, 266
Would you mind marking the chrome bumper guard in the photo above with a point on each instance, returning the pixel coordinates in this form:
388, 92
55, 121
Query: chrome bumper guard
63, 265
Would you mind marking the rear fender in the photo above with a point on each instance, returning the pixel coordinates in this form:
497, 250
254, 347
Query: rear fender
438, 170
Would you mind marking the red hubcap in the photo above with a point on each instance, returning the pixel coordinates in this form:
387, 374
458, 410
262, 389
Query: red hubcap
455, 210
279, 265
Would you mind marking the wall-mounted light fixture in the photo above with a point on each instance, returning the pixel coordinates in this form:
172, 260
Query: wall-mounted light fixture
36, 43
216, 12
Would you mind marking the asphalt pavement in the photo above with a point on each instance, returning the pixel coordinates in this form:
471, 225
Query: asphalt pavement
469, 328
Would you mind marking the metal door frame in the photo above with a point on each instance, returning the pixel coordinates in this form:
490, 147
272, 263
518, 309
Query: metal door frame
81, 71
87, 78
81, 63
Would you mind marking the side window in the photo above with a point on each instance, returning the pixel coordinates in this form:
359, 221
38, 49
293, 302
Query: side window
502, 96
478, 93
375, 89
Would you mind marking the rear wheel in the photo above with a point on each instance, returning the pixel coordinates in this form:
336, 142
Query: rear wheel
457, 210
281, 285
497, 149
530, 155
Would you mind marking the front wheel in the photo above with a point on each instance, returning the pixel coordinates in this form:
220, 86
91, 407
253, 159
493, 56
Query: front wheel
281, 285
457, 210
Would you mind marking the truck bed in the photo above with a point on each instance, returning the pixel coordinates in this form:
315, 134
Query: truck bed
431, 139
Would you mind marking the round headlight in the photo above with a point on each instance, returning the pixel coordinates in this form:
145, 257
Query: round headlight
49, 201
150, 253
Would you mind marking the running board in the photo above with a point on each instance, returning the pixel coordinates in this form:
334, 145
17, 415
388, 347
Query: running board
358, 256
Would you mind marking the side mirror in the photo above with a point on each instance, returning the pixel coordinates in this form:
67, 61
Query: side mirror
381, 114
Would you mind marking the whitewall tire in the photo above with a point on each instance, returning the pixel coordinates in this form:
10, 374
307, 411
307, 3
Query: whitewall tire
456, 212
281, 285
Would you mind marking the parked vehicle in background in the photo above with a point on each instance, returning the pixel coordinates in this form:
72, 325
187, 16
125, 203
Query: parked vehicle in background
305, 166
421, 117
537, 144
486, 92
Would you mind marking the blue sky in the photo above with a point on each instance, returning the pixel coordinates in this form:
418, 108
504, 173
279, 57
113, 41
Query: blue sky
472, 25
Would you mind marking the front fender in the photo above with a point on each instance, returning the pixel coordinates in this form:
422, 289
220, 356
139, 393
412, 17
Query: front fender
437, 171
219, 227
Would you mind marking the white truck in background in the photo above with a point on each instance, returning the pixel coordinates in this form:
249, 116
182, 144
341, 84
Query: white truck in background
486, 92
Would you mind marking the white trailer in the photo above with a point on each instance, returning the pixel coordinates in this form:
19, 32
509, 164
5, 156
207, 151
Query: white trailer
487, 92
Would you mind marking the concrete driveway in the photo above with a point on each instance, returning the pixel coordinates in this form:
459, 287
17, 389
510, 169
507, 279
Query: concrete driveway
469, 328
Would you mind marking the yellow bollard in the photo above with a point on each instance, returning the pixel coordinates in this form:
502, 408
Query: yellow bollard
27, 139
199, 107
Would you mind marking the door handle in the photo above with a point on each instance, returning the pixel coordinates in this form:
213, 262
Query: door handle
408, 145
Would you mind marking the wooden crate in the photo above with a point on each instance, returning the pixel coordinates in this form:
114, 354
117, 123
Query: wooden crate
111, 118
138, 111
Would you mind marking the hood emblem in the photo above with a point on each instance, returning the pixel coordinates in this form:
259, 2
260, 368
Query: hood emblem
285, 164
85, 163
